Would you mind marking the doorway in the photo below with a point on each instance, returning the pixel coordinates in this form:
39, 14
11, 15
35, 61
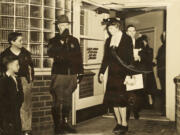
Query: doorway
151, 22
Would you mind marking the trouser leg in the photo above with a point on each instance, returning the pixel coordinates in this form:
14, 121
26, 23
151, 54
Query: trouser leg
63, 86
26, 109
57, 118
163, 96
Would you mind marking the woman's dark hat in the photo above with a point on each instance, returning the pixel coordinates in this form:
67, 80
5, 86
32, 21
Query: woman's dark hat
62, 19
144, 37
110, 21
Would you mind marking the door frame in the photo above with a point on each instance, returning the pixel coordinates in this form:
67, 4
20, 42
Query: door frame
172, 48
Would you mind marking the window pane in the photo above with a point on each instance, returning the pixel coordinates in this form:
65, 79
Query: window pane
59, 12
6, 9
35, 23
6, 22
21, 1
49, 25
25, 36
38, 2
3, 46
35, 50
4, 35
21, 10
37, 62
6, 0
47, 36
68, 5
36, 54
60, 3
35, 36
47, 62
36, 11
49, 13
21, 23
49, 2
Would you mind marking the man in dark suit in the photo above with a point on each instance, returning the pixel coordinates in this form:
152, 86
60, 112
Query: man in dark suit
67, 69
134, 96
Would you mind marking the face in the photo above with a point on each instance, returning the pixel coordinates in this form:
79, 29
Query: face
113, 29
62, 27
18, 42
131, 31
14, 66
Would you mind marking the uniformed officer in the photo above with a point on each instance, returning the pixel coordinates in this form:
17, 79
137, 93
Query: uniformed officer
66, 72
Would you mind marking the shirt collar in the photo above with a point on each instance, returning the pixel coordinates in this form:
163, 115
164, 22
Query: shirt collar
8, 74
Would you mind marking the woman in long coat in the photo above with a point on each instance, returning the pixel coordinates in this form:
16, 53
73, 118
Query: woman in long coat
147, 64
118, 44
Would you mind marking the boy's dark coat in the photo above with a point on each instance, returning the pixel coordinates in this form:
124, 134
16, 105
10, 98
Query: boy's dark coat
10, 103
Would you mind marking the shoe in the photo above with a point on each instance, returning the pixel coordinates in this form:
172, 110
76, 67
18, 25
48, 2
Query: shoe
124, 129
69, 129
117, 129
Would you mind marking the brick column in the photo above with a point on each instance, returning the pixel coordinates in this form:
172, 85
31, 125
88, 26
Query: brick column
177, 82
42, 102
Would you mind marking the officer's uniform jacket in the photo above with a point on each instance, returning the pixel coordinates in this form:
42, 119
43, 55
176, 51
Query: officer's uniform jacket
65, 50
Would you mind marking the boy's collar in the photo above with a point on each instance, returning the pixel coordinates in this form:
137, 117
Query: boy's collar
9, 74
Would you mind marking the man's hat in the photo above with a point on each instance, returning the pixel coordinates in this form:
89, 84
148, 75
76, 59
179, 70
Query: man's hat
110, 21
62, 19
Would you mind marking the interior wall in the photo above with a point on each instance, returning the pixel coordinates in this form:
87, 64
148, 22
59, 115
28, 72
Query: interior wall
155, 20
172, 56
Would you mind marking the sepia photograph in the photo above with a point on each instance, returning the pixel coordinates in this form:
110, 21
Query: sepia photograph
89, 67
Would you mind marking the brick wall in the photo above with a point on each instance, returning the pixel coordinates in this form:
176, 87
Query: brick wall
41, 106
42, 102
177, 81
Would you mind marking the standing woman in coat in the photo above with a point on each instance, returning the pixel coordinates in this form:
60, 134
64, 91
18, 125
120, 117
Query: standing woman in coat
147, 64
118, 44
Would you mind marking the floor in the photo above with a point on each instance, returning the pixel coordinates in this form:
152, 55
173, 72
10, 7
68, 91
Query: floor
104, 126
145, 126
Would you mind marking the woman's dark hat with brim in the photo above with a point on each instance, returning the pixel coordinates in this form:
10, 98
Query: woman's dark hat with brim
110, 21
62, 19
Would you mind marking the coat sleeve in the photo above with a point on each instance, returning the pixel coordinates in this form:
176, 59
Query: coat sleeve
1, 66
77, 55
3, 102
105, 58
31, 66
147, 55
21, 93
129, 59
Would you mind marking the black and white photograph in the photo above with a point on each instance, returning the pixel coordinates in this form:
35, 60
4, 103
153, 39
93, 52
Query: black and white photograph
89, 67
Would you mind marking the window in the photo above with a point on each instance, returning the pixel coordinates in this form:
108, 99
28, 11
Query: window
35, 19
92, 35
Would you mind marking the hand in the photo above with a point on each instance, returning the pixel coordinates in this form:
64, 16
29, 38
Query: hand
137, 58
136, 54
129, 80
79, 78
101, 78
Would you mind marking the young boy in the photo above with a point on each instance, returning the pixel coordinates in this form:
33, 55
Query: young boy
26, 73
11, 98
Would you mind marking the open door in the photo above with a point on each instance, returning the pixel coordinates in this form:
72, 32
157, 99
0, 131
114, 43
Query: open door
92, 35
